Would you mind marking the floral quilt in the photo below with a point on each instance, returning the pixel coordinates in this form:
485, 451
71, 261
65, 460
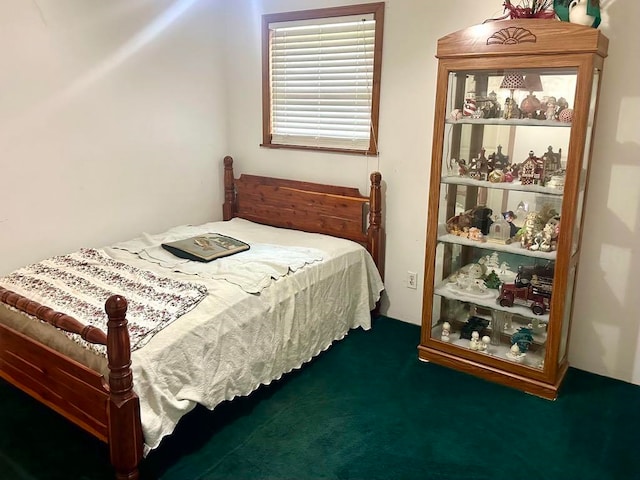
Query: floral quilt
78, 284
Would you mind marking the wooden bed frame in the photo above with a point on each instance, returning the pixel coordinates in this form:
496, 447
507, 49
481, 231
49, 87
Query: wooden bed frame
108, 408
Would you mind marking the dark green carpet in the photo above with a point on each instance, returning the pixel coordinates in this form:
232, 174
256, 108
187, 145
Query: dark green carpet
365, 409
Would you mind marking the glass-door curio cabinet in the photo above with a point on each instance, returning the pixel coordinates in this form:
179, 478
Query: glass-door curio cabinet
515, 112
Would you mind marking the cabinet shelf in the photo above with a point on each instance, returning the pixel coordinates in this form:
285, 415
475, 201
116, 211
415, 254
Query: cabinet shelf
517, 186
488, 301
514, 248
528, 122
481, 70
531, 359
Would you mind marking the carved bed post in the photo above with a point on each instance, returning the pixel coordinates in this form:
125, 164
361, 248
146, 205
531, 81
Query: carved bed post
375, 232
125, 432
228, 208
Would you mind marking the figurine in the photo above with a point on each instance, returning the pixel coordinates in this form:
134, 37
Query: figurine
508, 321
497, 160
472, 324
537, 326
499, 232
551, 163
446, 330
492, 280
456, 114
475, 342
533, 225
497, 176
488, 106
475, 234
463, 170
550, 113
514, 353
523, 338
486, 340
511, 109
470, 109
459, 224
479, 167
509, 216
481, 218
550, 234
562, 104
531, 170
504, 267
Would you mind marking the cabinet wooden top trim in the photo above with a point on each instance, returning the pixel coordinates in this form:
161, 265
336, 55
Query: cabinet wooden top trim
523, 37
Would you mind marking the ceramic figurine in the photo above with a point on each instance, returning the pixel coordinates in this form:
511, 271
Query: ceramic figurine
556, 181
511, 109
473, 324
537, 327
479, 167
551, 108
550, 234
509, 217
497, 176
523, 338
486, 340
514, 352
488, 106
508, 321
562, 104
529, 172
481, 218
551, 163
446, 330
500, 232
492, 280
470, 109
475, 342
475, 234
498, 160
533, 225
463, 170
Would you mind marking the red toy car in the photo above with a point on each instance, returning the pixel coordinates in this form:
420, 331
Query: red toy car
536, 297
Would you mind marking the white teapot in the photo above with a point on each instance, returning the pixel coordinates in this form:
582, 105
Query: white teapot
578, 13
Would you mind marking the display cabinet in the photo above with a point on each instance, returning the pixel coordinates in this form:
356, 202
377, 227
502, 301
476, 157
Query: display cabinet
516, 104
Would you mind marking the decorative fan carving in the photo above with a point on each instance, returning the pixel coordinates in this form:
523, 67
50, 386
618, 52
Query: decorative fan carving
511, 36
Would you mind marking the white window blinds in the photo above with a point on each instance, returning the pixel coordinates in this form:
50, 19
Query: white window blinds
322, 82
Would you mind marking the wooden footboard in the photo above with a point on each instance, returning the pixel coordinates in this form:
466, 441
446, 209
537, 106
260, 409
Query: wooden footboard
333, 210
108, 410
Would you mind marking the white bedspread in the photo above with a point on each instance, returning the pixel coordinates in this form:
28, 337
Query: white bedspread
252, 270
235, 341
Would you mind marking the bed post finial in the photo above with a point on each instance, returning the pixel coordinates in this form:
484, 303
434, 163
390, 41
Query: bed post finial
125, 434
375, 233
228, 208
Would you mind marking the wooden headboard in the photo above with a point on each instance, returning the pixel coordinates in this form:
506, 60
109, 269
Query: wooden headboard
312, 207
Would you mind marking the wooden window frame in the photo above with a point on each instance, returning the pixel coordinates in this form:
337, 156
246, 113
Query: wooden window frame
375, 9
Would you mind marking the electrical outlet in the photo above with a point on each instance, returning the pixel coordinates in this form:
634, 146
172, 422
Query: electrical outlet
412, 280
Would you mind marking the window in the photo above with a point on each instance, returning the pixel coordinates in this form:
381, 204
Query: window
321, 78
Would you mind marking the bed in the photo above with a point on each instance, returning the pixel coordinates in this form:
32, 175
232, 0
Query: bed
130, 390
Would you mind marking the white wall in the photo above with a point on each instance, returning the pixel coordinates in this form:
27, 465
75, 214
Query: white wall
111, 121
606, 335
115, 115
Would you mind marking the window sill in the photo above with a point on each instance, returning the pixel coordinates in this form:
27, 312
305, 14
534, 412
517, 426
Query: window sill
321, 149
